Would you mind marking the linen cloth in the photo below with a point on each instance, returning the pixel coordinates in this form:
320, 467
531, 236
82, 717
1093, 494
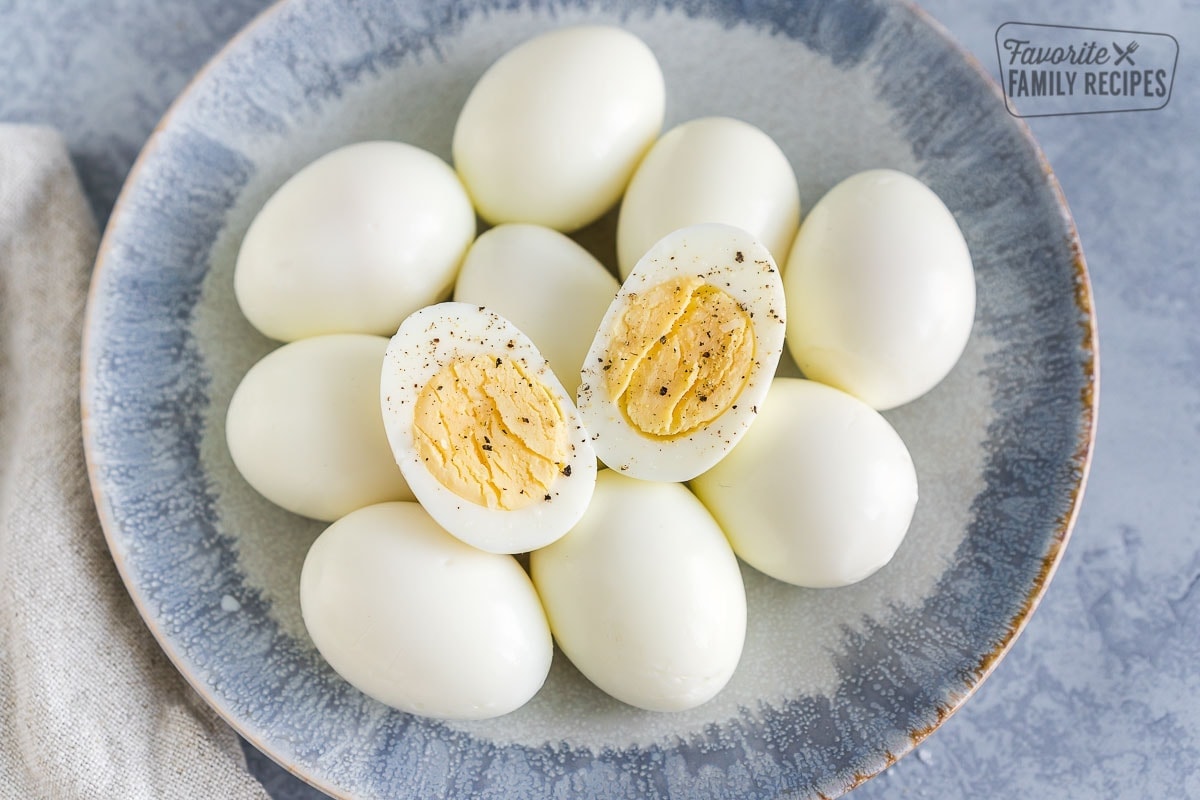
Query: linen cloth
90, 707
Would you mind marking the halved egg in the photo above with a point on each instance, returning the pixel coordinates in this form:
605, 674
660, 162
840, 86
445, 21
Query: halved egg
685, 354
485, 434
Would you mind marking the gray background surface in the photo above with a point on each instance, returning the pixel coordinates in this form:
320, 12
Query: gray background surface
1100, 696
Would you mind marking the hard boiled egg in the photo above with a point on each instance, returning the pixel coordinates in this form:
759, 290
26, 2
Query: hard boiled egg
880, 289
354, 243
552, 131
819, 493
644, 595
684, 355
544, 283
713, 169
420, 621
305, 430
482, 430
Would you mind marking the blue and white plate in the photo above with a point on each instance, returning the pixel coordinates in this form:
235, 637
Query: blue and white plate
834, 685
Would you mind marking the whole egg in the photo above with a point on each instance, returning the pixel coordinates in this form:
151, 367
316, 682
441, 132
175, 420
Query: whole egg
880, 289
420, 621
819, 493
552, 131
645, 596
354, 242
305, 430
712, 169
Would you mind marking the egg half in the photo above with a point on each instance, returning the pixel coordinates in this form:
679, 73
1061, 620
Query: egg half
485, 435
684, 355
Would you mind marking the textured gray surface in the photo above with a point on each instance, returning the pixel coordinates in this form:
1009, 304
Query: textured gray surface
1101, 694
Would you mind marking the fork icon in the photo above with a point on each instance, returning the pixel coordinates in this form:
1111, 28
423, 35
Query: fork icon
1126, 54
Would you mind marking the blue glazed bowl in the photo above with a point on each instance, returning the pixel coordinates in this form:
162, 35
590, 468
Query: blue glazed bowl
834, 685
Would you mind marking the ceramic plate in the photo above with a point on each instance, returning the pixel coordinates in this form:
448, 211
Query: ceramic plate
834, 684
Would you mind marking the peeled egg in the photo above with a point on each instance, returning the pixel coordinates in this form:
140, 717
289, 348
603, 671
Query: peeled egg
644, 595
684, 354
305, 430
482, 430
420, 621
354, 243
552, 131
544, 283
713, 169
880, 289
820, 492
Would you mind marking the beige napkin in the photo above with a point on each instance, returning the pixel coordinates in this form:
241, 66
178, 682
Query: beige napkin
89, 705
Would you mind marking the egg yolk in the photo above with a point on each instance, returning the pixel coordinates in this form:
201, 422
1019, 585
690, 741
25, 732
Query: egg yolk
491, 433
678, 356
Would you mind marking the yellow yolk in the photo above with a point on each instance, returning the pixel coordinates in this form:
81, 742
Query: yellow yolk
491, 433
679, 356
